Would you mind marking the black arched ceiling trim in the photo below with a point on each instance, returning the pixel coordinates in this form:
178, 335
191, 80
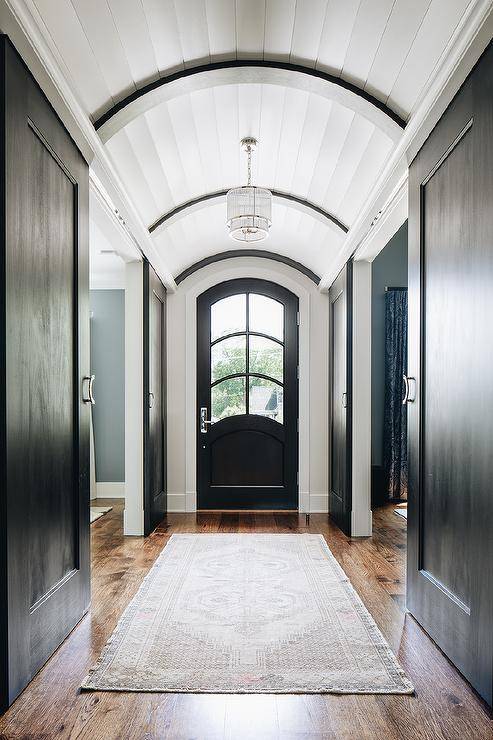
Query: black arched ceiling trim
220, 193
248, 63
247, 253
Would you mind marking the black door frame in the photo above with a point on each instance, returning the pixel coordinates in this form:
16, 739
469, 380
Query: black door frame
340, 507
154, 506
291, 383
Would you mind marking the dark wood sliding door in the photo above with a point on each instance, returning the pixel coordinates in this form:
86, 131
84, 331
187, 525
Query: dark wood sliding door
450, 557
44, 523
247, 394
154, 399
340, 496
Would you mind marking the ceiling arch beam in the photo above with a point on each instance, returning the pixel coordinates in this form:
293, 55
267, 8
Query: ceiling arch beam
208, 198
237, 71
232, 254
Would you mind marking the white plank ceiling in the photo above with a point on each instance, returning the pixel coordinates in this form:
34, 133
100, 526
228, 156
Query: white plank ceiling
310, 146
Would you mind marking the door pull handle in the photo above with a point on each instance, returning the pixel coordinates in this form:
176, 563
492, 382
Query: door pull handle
89, 379
344, 400
409, 389
151, 399
203, 420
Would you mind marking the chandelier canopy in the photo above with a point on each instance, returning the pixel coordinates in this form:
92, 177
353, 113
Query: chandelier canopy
249, 208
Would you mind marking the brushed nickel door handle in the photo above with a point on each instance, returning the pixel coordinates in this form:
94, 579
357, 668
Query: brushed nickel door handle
409, 389
90, 387
344, 400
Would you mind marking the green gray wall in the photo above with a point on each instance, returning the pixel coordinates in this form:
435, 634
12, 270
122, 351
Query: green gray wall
108, 365
388, 269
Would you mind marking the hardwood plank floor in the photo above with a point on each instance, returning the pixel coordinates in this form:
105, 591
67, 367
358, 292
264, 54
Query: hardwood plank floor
444, 707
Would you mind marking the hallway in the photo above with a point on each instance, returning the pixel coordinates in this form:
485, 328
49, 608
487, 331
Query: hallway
444, 706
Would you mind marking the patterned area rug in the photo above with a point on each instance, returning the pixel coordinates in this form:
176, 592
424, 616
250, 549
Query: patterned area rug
98, 511
247, 613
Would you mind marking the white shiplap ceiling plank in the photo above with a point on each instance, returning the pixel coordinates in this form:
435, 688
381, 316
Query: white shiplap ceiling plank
294, 114
192, 25
164, 35
370, 166
68, 35
314, 129
270, 133
221, 25
336, 35
161, 128
100, 29
250, 28
131, 23
351, 154
308, 24
130, 170
144, 146
368, 30
400, 32
187, 142
226, 102
204, 113
279, 26
436, 29
337, 130
249, 102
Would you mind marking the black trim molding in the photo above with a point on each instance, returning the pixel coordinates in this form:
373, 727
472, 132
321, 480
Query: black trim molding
247, 253
233, 63
221, 193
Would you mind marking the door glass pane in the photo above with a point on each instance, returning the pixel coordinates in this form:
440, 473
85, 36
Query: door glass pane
228, 316
228, 357
228, 399
266, 399
266, 357
266, 316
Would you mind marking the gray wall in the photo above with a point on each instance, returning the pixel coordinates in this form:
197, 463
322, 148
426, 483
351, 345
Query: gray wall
389, 268
108, 365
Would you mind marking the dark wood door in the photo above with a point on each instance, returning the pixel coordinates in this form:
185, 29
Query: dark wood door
154, 399
45, 356
450, 556
340, 496
247, 392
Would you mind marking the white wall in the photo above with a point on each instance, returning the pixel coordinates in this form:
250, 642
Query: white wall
182, 415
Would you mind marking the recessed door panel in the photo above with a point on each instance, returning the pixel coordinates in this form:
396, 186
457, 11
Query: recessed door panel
450, 424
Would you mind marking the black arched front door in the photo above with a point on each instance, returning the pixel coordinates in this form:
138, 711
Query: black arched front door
247, 396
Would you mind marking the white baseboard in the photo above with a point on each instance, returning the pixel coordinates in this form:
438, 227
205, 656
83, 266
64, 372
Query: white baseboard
361, 523
186, 502
319, 503
133, 522
106, 489
177, 502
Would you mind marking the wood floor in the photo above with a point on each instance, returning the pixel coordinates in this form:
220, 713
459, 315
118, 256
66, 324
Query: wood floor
444, 706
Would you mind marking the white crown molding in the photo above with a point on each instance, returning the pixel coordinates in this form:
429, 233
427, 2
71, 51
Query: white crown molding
21, 20
466, 45
386, 223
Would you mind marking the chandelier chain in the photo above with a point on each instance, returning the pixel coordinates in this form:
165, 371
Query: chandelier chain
249, 165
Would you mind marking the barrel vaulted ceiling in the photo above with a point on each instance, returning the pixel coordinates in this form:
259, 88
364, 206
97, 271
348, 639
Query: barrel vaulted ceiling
322, 142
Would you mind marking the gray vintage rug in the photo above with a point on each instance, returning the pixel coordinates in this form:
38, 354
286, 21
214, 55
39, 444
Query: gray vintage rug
247, 613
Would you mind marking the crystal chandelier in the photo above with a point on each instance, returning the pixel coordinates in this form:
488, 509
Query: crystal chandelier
249, 208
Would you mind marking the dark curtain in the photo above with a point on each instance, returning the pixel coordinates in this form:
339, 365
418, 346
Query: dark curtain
395, 416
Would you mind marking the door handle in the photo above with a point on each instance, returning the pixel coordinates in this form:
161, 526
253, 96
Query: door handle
203, 420
344, 400
90, 387
409, 389
151, 399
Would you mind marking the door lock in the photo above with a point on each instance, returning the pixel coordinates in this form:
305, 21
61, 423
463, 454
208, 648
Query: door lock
203, 420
